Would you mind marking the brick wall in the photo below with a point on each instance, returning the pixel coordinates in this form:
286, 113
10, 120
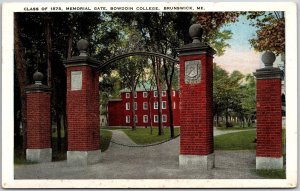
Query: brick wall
196, 116
83, 111
116, 113
268, 114
38, 120
117, 110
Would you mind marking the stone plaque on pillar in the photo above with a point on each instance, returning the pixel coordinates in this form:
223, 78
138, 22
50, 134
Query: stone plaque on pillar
192, 72
76, 80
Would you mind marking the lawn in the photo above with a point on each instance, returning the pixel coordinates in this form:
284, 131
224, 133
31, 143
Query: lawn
143, 136
236, 141
272, 174
240, 141
244, 141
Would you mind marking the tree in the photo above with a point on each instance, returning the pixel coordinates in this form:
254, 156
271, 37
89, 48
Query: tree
270, 33
44, 49
248, 99
211, 23
130, 71
21, 72
226, 94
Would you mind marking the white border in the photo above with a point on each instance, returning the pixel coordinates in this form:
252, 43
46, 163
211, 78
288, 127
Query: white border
291, 103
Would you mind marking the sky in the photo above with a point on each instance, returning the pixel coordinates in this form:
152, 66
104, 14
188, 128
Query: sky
240, 55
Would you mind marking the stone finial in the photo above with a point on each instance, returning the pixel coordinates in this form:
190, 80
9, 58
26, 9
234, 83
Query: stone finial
268, 59
196, 32
82, 46
38, 77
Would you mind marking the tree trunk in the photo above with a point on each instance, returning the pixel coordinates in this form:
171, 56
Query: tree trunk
169, 85
226, 118
58, 128
169, 93
133, 110
159, 88
22, 76
70, 42
150, 113
49, 50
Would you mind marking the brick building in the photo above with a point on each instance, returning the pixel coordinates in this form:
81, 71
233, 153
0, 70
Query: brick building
145, 105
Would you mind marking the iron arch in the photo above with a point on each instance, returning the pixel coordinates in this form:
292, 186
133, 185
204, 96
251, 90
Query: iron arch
144, 53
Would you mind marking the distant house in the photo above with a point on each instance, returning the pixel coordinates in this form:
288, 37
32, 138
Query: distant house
120, 110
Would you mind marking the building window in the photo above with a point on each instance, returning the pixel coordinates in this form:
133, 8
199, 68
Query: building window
174, 105
145, 118
155, 105
164, 105
174, 93
136, 118
135, 95
127, 106
135, 106
127, 119
164, 118
155, 118
155, 93
163, 93
145, 105
145, 94
127, 95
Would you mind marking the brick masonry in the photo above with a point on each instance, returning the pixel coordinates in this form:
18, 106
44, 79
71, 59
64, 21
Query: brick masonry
38, 120
117, 109
269, 125
83, 111
196, 102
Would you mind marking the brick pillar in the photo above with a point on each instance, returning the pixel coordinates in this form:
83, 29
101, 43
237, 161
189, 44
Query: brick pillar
268, 115
38, 121
83, 108
196, 103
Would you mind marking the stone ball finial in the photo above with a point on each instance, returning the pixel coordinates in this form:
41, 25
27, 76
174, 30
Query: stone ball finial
82, 46
268, 59
38, 77
196, 32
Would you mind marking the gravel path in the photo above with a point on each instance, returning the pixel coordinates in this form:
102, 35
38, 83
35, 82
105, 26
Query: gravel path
153, 162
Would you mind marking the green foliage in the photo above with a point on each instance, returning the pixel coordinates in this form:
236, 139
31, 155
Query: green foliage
270, 31
272, 173
143, 135
236, 141
234, 95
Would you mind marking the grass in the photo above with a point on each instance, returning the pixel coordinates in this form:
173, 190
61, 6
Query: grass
105, 137
236, 128
236, 141
143, 136
272, 174
20, 158
244, 141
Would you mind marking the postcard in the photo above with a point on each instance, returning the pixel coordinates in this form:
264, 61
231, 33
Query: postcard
149, 95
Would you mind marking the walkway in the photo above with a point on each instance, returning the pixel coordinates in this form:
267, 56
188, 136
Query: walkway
154, 162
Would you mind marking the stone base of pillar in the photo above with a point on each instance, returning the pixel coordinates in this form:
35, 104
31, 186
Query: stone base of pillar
269, 163
204, 162
83, 158
39, 155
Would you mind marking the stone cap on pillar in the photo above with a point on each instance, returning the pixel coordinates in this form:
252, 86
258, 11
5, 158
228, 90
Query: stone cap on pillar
83, 59
197, 46
37, 86
268, 72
